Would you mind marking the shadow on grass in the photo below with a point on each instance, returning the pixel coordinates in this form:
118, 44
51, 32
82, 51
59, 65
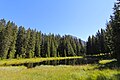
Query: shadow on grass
116, 77
100, 57
103, 77
110, 65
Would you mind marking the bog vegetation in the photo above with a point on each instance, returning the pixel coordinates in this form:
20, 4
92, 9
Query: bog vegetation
86, 72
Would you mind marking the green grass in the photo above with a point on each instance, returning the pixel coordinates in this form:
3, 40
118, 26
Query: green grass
32, 60
106, 61
84, 72
60, 72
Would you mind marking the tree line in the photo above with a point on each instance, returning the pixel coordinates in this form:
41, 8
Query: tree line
107, 40
17, 42
97, 44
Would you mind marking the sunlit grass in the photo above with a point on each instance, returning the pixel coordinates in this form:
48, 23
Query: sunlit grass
32, 60
84, 72
60, 72
106, 61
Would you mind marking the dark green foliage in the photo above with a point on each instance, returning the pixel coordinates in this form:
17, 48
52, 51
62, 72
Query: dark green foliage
62, 47
115, 31
109, 37
79, 47
47, 47
26, 47
43, 48
97, 44
53, 50
70, 46
37, 44
21, 43
31, 45
69, 49
89, 46
8, 35
107, 41
102, 41
7, 39
12, 50
2, 28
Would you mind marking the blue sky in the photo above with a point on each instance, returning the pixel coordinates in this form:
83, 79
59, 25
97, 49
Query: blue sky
79, 18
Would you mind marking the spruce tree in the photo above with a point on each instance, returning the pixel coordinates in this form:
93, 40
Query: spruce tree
12, 48
53, 50
97, 43
7, 39
42, 50
31, 44
108, 37
102, 41
2, 27
20, 43
70, 50
93, 45
37, 44
89, 46
78, 47
47, 46
116, 30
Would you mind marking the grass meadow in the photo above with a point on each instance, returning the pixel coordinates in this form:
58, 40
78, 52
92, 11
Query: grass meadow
6, 62
100, 71
61, 72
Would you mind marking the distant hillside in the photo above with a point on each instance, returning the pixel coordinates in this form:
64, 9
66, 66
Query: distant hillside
83, 43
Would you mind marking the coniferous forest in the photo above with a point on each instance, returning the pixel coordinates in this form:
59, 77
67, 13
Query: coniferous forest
28, 54
107, 40
17, 42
